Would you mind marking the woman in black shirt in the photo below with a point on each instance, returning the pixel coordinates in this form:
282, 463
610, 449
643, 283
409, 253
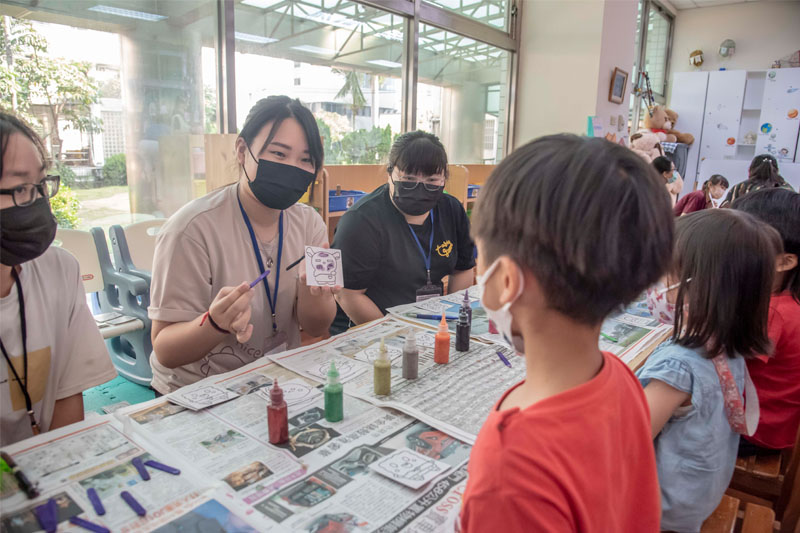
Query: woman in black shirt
401, 240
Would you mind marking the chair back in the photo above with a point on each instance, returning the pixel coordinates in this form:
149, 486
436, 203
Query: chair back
81, 245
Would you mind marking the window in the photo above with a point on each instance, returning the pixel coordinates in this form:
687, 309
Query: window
491, 12
351, 57
135, 150
462, 84
653, 45
155, 106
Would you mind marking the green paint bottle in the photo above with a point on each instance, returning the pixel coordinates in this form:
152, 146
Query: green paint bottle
334, 396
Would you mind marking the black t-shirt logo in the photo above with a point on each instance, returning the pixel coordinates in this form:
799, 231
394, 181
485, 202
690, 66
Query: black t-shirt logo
444, 249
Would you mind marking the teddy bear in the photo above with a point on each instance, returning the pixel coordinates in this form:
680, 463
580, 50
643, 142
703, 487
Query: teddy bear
658, 122
686, 138
646, 145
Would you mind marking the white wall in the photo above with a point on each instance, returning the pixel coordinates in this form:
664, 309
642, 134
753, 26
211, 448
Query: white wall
763, 31
568, 51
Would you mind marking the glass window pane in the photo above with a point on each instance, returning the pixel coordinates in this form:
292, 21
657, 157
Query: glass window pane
341, 59
461, 94
134, 150
491, 12
657, 48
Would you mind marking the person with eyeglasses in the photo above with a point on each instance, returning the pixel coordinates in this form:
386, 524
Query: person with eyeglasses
400, 241
52, 349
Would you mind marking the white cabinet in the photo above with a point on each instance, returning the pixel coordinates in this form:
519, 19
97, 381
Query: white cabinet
778, 127
724, 110
723, 114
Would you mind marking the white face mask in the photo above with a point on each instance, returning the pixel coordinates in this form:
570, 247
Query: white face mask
502, 317
658, 305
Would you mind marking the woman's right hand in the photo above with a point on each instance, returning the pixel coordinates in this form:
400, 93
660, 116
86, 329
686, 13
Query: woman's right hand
231, 310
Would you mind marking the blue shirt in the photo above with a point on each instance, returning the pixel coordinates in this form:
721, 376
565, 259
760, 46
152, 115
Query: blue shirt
696, 450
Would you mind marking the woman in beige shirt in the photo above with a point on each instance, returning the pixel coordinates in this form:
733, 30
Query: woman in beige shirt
206, 317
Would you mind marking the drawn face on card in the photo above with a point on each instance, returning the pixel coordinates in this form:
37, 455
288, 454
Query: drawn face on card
324, 267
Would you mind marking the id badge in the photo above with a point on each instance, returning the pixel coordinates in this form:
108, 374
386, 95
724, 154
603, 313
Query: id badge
429, 291
276, 343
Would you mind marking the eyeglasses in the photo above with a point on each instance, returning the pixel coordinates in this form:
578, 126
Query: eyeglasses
25, 194
410, 183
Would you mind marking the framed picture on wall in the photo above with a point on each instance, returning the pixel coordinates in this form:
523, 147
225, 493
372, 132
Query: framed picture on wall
619, 81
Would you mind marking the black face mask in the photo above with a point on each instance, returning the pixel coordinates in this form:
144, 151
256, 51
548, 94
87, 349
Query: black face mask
26, 232
416, 201
279, 186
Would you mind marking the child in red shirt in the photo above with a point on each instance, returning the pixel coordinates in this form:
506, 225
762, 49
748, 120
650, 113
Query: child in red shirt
569, 448
777, 378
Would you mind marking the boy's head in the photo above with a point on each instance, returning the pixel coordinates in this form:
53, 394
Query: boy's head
587, 219
780, 208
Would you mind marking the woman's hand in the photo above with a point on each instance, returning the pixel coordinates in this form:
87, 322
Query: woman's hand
231, 310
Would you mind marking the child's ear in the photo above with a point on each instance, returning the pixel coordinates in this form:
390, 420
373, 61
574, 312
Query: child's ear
512, 279
786, 262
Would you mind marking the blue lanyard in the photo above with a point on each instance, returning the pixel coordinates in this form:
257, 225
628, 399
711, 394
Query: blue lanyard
426, 258
271, 299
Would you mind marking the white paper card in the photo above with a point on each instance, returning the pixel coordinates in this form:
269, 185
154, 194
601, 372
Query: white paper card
198, 398
409, 468
324, 267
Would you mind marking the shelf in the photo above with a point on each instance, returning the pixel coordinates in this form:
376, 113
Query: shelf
744, 109
336, 214
745, 144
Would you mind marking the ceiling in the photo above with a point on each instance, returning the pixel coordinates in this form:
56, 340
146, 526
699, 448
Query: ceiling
691, 4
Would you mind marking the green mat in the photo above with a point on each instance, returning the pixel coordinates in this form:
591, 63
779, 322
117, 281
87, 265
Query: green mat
117, 390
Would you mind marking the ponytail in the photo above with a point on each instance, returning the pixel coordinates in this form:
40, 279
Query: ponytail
764, 170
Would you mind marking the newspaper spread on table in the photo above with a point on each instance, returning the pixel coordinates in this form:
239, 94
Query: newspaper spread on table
455, 398
625, 333
352, 475
231, 478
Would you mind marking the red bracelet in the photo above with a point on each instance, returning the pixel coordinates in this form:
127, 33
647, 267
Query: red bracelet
213, 324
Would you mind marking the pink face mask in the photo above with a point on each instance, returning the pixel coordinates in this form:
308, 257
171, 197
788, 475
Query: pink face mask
658, 305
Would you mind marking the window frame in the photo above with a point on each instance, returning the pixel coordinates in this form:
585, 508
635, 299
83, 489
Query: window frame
659, 97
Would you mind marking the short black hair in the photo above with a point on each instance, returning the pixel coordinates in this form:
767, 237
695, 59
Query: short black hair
662, 163
276, 109
725, 260
780, 208
589, 218
11, 124
418, 153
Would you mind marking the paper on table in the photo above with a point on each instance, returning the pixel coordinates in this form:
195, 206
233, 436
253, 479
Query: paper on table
201, 397
409, 468
295, 392
324, 267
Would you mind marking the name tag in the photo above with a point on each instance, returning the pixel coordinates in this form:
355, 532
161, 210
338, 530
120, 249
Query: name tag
429, 291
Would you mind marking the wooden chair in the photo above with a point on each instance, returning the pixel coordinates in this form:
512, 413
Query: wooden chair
758, 519
767, 480
723, 519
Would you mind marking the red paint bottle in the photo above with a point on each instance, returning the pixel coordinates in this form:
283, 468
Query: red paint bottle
277, 416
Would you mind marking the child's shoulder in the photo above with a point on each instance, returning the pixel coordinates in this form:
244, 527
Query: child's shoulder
676, 365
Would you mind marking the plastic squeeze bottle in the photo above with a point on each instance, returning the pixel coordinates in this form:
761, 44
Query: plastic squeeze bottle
466, 306
277, 416
382, 376
334, 396
441, 351
462, 331
410, 357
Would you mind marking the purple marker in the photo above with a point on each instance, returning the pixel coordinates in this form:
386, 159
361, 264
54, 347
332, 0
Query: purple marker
47, 515
132, 503
137, 463
503, 358
162, 467
96, 503
85, 524
259, 278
